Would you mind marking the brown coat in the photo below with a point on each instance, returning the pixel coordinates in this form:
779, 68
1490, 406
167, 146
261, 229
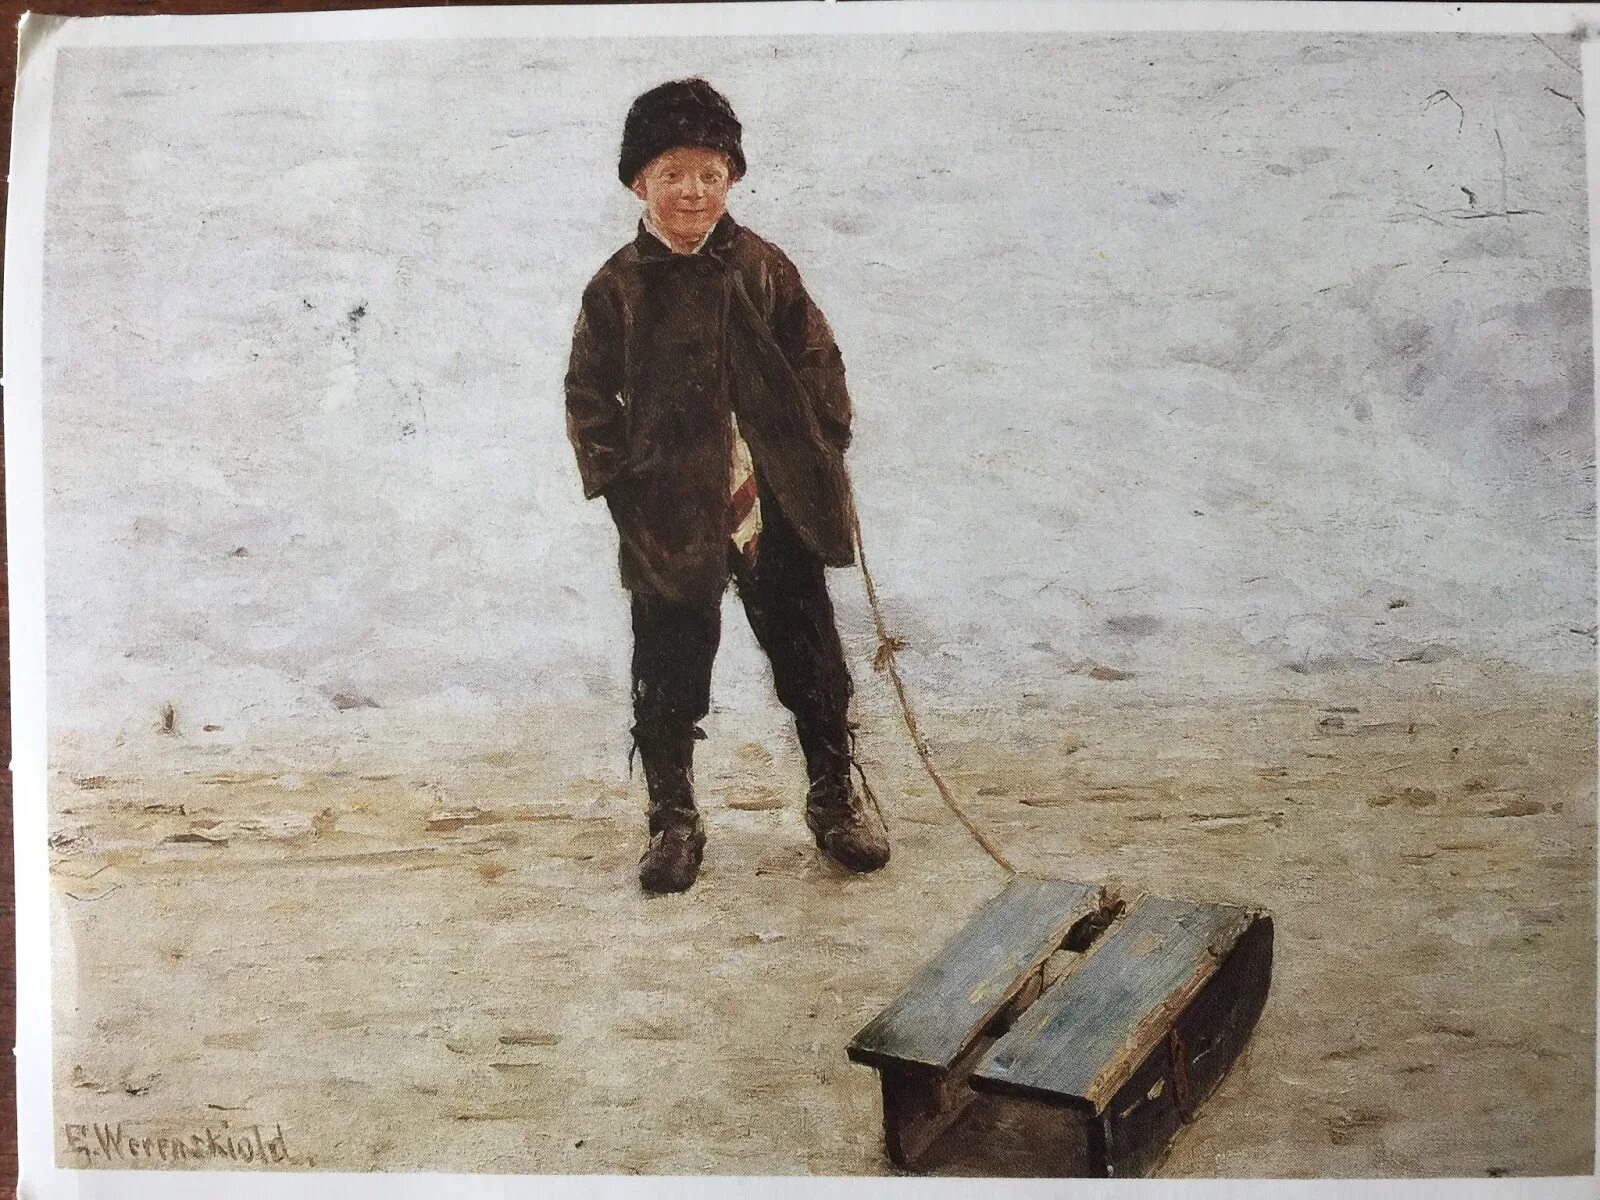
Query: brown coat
665, 346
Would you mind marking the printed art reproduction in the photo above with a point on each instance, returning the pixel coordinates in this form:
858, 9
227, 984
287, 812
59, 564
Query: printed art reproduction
805, 591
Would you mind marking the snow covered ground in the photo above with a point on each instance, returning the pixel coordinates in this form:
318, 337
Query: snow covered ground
1202, 358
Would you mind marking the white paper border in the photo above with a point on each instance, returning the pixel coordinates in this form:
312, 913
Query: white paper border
24, 429
41, 37
870, 16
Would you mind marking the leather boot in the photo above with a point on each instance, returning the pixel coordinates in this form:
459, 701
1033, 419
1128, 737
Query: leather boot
671, 861
847, 828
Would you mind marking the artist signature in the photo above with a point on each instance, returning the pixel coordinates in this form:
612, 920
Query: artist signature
252, 1146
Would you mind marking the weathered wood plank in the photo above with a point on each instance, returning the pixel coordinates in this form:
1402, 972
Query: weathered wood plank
1141, 1118
1083, 1039
1185, 1068
944, 1009
1214, 1028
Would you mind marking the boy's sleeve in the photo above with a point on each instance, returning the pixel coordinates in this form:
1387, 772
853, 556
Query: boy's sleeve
807, 342
596, 420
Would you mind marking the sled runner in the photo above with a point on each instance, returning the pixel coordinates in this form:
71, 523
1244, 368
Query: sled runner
1112, 1018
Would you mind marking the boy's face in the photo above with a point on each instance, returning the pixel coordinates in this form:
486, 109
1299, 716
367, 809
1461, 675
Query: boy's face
685, 190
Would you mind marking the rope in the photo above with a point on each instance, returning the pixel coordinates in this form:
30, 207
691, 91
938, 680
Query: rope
884, 660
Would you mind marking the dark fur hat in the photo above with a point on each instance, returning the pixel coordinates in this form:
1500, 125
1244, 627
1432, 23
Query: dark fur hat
685, 112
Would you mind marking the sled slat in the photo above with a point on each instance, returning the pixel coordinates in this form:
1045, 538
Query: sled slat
943, 1010
1083, 1039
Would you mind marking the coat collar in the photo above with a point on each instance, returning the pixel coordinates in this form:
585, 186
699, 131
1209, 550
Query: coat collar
716, 244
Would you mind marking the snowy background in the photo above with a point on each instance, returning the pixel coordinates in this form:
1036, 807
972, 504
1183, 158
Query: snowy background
1216, 361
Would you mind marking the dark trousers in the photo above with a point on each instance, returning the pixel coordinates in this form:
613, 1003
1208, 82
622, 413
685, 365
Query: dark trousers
786, 600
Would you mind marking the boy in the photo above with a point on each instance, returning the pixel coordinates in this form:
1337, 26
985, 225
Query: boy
706, 402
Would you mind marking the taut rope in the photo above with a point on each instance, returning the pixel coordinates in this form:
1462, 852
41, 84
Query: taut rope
884, 660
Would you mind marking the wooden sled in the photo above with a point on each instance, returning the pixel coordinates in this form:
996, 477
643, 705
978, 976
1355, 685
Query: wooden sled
1109, 1021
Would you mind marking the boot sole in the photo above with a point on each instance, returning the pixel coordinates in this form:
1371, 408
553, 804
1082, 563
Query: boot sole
856, 866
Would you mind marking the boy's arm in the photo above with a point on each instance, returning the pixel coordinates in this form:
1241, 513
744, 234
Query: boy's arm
807, 342
596, 420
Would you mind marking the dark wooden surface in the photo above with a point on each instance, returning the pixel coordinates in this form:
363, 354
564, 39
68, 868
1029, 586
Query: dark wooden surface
1084, 1037
1140, 1121
940, 1012
11, 12
1185, 1067
1214, 1028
